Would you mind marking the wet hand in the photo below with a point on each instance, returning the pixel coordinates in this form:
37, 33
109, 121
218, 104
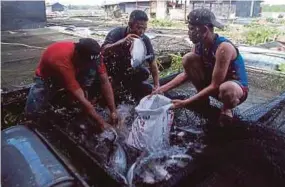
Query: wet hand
178, 104
114, 118
155, 91
156, 87
106, 126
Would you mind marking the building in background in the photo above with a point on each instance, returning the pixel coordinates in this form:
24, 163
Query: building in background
230, 8
22, 14
127, 6
57, 7
154, 8
176, 9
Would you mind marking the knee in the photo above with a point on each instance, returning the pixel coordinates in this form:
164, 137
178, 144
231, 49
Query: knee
191, 60
230, 93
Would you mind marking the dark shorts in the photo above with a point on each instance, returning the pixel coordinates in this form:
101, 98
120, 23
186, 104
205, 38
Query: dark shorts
208, 80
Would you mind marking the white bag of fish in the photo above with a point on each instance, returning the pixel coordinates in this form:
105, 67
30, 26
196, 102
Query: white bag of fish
150, 130
138, 52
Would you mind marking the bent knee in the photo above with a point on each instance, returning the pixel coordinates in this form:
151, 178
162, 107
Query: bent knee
190, 60
230, 93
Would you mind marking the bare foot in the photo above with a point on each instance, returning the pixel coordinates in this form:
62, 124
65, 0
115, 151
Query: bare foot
226, 117
227, 112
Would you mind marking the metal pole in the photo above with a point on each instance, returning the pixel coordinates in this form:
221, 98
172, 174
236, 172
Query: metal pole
251, 9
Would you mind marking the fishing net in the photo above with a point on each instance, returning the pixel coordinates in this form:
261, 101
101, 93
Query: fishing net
250, 152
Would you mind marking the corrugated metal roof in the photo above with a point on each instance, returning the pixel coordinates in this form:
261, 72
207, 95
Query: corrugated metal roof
112, 2
223, 0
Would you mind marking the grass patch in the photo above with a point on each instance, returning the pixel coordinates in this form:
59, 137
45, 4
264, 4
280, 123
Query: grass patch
273, 8
154, 23
176, 65
281, 67
258, 34
252, 34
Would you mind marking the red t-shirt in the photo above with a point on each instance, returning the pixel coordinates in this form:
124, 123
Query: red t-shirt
56, 63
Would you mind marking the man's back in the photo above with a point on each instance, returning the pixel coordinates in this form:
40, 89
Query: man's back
57, 56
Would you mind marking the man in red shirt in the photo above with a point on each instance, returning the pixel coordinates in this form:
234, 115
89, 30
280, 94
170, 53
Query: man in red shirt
64, 65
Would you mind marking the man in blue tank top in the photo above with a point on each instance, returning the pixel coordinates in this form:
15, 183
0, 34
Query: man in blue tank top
215, 67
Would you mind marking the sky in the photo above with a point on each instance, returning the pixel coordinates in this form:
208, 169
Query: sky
100, 2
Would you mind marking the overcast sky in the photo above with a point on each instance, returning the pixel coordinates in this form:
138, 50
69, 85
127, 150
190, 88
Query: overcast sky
99, 2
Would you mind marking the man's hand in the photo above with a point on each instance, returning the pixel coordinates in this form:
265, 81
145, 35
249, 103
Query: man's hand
155, 91
155, 87
114, 118
178, 104
129, 39
105, 126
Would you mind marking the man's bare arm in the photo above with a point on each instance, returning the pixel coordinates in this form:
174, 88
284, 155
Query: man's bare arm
68, 79
154, 73
224, 55
107, 92
87, 106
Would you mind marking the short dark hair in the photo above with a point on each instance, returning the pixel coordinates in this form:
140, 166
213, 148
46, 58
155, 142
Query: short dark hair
138, 15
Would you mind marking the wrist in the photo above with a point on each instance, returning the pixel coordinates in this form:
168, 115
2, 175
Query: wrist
163, 89
187, 102
156, 84
113, 111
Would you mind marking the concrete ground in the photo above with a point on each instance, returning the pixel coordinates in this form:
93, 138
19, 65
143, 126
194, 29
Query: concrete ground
21, 49
20, 53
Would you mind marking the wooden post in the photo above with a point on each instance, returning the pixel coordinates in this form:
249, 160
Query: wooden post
229, 9
136, 4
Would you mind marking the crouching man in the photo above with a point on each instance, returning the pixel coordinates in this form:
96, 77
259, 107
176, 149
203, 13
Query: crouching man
63, 65
215, 67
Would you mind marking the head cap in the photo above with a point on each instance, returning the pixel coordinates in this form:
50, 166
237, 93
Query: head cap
88, 46
203, 16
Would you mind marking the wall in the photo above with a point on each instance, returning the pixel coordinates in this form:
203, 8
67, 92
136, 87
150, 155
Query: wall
129, 7
176, 14
238, 8
222, 10
22, 14
244, 7
161, 9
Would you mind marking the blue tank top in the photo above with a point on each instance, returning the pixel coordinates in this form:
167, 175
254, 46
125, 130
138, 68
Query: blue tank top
236, 69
